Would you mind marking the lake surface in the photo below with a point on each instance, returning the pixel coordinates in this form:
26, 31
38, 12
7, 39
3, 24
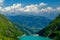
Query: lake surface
34, 38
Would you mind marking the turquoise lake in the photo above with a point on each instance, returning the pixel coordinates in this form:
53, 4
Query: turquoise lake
34, 38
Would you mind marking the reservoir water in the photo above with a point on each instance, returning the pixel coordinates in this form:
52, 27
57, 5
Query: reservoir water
34, 38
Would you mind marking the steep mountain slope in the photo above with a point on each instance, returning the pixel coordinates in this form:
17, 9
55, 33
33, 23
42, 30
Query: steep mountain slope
52, 30
8, 31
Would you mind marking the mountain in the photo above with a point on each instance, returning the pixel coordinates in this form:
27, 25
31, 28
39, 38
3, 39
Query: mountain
52, 30
32, 23
8, 30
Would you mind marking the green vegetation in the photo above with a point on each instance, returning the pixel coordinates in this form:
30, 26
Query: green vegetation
52, 30
8, 31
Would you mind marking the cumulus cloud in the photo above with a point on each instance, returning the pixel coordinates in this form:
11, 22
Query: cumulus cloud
47, 9
58, 8
33, 8
42, 4
1, 2
28, 8
12, 8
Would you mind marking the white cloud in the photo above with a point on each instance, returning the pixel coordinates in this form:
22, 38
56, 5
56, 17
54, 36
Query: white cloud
12, 8
42, 4
33, 8
58, 8
1, 2
28, 8
48, 9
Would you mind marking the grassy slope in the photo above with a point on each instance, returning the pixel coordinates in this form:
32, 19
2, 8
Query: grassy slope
8, 30
52, 30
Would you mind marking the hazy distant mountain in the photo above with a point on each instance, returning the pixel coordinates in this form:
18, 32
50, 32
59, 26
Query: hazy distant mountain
52, 30
30, 23
8, 31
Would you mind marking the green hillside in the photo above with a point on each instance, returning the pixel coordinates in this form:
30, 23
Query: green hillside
53, 30
8, 31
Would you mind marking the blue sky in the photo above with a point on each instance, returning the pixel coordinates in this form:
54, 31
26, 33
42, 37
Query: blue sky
53, 3
51, 8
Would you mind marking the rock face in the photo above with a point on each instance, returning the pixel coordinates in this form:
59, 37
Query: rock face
8, 31
52, 30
